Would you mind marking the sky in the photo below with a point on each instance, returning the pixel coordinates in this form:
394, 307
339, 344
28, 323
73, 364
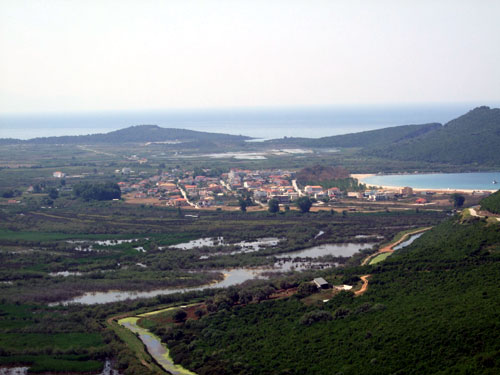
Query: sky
93, 55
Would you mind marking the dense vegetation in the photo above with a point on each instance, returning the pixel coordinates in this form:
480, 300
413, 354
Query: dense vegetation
471, 138
492, 203
431, 308
133, 134
328, 177
366, 139
477, 132
99, 192
321, 173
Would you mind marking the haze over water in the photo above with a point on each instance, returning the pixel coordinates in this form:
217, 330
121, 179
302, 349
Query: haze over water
259, 123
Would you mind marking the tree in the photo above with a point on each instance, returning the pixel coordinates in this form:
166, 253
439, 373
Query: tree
304, 204
458, 200
53, 193
180, 316
243, 204
100, 192
273, 206
199, 313
8, 194
306, 289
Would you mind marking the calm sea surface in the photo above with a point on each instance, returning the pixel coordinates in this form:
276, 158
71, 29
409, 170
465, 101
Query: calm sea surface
259, 123
453, 181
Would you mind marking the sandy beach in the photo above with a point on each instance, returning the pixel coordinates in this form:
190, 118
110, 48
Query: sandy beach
361, 177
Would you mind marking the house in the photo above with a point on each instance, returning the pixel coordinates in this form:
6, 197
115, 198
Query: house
292, 195
259, 194
58, 174
321, 283
406, 191
313, 189
282, 199
354, 194
334, 192
320, 195
377, 196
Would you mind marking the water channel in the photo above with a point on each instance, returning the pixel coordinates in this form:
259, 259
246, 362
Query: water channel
159, 351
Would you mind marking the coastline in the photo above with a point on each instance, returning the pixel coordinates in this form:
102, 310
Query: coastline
361, 178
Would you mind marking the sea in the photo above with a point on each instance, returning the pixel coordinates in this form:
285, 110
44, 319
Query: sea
261, 123
439, 181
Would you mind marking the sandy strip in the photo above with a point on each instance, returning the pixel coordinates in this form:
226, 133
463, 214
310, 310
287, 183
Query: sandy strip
361, 177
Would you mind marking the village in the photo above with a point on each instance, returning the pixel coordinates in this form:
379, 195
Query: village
179, 188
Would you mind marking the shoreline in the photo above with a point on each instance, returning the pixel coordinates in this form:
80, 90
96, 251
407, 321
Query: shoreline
360, 177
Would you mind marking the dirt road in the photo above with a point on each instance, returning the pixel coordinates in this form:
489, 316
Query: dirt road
364, 287
390, 247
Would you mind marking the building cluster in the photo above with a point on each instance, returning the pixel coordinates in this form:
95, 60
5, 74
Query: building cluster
162, 187
386, 195
180, 188
319, 193
262, 184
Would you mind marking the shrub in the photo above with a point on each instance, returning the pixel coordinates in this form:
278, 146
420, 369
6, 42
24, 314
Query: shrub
315, 316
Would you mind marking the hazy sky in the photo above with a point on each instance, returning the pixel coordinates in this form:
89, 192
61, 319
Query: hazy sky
123, 54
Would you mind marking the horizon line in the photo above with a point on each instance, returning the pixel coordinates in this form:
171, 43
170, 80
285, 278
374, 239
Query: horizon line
473, 104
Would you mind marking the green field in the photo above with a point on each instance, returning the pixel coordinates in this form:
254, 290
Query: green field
379, 258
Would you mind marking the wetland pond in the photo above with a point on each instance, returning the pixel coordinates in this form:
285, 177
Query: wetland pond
235, 276
409, 241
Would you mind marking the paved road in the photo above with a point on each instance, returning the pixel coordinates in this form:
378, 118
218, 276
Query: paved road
184, 194
296, 188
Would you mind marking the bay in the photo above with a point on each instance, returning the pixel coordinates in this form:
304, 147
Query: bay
438, 181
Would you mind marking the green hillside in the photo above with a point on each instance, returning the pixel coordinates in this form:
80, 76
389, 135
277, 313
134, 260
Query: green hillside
371, 138
471, 138
432, 308
492, 203
139, 133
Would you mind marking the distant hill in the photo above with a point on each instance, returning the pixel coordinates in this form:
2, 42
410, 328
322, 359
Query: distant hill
134, 134
471, 138
371, 138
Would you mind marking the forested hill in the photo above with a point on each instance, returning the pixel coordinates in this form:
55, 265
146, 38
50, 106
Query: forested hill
492, 203
371, 138
134, 134
431, 308
471, 138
